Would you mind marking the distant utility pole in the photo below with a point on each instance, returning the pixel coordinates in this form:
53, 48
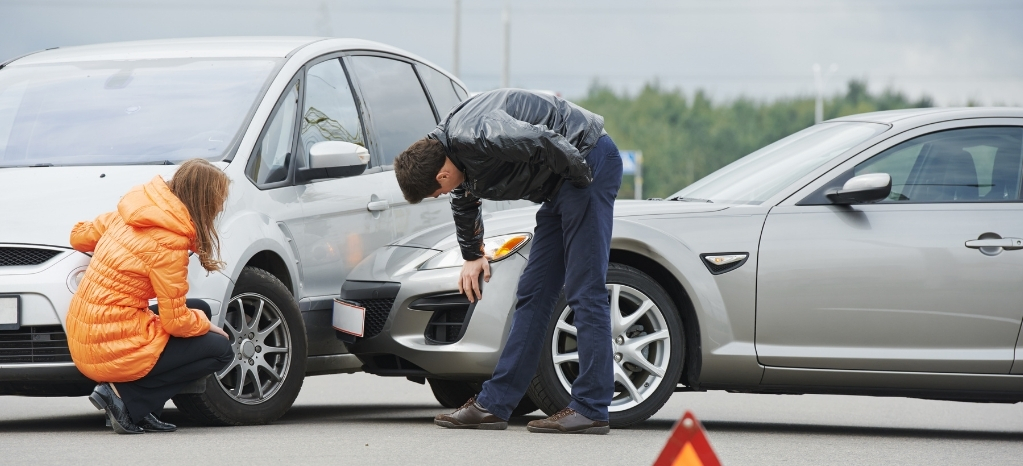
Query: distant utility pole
821, 81
323, 20
638, 176
458, 25
506, 22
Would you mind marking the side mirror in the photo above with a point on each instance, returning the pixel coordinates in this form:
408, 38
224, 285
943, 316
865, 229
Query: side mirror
334, 159
861, 189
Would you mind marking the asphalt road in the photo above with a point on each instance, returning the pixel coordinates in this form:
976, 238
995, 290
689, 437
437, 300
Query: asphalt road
363, 419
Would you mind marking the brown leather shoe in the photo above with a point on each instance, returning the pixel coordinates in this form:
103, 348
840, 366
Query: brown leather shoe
568, 421
471, 416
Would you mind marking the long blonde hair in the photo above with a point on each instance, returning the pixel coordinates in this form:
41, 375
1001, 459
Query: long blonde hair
203, 189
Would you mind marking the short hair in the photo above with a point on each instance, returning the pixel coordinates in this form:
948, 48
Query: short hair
417, 167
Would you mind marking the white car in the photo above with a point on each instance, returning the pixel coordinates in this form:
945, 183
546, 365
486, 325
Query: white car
306, 128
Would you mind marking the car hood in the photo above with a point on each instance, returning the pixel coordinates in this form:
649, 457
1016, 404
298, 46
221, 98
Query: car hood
40, 205
442, 237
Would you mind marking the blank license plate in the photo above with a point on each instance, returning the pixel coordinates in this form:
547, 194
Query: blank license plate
349, 318
9, 312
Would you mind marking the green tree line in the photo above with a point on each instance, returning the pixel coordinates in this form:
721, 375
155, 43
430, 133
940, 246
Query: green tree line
684, 138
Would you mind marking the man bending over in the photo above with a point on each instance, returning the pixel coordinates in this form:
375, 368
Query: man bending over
511, 144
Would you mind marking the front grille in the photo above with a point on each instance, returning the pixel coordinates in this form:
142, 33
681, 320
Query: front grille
46, 343
25, 256
376, 297
377, 311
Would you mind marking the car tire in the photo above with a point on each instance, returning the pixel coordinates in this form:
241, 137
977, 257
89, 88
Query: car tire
263, 380
551, 387
453, 394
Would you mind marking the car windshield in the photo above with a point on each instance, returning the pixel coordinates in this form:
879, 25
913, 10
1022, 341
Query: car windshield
126, 112
756, 177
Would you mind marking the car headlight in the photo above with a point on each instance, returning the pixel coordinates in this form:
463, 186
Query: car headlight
495, 248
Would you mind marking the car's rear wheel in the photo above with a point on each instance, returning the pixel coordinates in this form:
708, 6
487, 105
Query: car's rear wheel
269, 340
648, 344
453, 394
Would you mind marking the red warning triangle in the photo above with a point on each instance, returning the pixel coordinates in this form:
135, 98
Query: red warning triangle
688, 445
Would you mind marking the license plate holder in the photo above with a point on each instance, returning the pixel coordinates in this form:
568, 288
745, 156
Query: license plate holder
349, 317
10, 312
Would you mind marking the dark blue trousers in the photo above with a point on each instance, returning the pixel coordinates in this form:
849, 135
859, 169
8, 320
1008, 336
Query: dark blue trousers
570, 249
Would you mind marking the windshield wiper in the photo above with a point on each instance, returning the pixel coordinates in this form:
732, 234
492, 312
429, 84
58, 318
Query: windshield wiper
690, 199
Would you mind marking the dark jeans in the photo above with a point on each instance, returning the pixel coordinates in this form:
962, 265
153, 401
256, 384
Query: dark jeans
570, 248
183, 361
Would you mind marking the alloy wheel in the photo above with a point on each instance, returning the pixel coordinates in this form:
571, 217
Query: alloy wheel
262, 347
640, 342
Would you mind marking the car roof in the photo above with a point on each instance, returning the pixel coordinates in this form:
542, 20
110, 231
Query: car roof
934, 114
199, 47
208, 47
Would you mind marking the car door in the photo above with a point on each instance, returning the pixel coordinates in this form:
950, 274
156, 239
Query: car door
900, 285
399, 113
343, 218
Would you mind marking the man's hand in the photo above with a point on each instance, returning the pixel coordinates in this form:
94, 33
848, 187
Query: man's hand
469, 280
219, 331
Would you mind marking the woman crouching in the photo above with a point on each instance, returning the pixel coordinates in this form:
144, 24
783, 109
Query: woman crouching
141, 250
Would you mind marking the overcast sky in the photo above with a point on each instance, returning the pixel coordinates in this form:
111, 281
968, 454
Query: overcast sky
954, 51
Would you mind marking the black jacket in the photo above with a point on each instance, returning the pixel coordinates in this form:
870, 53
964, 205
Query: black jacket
513, 144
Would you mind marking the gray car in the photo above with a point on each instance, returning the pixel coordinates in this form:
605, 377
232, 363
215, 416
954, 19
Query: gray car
875, 254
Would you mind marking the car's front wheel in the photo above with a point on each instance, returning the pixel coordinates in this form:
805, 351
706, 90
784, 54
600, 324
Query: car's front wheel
647, 343
453, 394
264, 378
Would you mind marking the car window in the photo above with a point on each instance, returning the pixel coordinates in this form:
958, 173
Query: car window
329, 112
756, 177
396, 104
121, 112
272, 156
441, 89
962, 165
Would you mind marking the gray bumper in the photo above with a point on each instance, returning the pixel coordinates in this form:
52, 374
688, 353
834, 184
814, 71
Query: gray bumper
404, 347
44, 379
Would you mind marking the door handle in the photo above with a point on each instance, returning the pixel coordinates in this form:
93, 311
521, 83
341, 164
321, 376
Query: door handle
377, 206
1004, 243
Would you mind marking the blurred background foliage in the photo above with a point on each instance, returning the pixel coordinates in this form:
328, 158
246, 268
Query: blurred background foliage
686, 137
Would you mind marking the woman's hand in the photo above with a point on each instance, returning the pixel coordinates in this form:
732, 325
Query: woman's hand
469, 280
219, 331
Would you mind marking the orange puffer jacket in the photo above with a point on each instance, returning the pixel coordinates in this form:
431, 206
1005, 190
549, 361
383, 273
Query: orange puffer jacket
141, 252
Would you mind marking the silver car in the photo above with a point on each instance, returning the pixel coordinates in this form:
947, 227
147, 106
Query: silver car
306, 129
876, 254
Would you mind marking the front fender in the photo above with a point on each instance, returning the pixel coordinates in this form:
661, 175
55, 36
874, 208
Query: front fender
251, 233
724, 305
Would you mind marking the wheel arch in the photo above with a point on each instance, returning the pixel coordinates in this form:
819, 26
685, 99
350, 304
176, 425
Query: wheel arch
690, 322
251, 238
274, 264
